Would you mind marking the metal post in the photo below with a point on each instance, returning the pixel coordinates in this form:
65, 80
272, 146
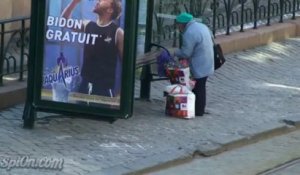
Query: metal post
149, 21
294, 9
214, 6
22, 50
228, 15
242, 16
281, 10
145, 78
2, 53
269, 12
255, 5
29, 113
174, 34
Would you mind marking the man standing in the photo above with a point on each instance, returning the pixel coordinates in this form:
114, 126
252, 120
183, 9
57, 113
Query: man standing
197, 47
100, 59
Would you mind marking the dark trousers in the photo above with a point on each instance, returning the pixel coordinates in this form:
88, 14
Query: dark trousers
200, 93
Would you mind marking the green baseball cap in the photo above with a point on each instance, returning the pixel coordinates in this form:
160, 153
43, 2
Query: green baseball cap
184, 18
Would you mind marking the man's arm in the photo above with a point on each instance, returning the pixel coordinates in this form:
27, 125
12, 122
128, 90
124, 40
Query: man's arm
68, 10
120, 42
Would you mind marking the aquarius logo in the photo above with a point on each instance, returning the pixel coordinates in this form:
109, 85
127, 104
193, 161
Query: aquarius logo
61, 73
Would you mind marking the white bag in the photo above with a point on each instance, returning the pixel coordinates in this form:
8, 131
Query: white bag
180, 76
180, 102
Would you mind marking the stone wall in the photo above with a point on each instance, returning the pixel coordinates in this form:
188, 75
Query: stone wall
251, 38
5, 9
14, 8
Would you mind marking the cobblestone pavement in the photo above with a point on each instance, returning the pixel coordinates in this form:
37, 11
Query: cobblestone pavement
251, 94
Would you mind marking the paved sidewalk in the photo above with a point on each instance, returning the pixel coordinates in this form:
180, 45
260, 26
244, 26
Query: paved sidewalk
248, 98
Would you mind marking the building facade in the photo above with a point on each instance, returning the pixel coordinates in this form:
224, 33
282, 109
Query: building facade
14, 8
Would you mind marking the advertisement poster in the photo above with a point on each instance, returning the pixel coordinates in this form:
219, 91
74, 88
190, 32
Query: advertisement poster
83, 52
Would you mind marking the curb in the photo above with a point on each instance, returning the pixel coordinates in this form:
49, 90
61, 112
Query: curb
12, 93
288, 127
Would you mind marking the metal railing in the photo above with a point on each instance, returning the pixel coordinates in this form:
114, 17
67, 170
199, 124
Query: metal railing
259, 11
14, 43
222, 16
